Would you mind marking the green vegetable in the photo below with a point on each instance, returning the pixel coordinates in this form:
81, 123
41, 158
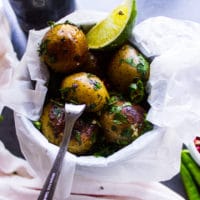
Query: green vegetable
136, 91
37, 124
1, 118
189, 184
191, 165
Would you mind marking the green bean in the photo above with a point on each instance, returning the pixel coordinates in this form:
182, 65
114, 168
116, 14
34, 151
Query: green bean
191, 166
189, 184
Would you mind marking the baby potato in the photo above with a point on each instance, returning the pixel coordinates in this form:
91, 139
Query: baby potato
64, 48
126, 67
85, 88
52, 125
122, 122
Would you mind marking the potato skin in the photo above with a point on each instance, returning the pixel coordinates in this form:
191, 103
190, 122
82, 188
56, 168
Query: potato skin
64, 48
83, 134
85, 88
126, 67
122, 122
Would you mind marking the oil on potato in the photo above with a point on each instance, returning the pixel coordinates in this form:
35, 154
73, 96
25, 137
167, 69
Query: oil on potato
83, 135
64, 48
85, 88
122, 122
126, 67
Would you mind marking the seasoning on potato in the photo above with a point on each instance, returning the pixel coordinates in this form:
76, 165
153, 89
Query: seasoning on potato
122, 122
127, 66
110, 83
85, 88
64, 48
83, 134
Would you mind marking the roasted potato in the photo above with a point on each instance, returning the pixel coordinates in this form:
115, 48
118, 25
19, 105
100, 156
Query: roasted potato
122, 122
83, 134
92, 65
85, 88
64, 48
127, 66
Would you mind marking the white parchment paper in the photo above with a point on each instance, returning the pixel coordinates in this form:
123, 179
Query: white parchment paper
8, 58
173, 96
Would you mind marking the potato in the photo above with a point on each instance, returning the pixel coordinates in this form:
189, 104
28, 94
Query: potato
64, 48
122, 122
126, 67
52, 125
85, 88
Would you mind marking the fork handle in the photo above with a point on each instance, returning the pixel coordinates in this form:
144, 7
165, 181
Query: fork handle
49, 187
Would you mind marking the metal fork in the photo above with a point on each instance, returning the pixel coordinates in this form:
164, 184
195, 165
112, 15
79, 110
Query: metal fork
72, 113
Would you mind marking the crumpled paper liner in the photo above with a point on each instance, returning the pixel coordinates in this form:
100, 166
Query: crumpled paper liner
8, 58
153, 156
174, 79
19, 182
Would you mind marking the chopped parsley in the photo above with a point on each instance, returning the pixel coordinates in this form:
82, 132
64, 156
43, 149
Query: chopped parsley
43, 47
37, 124
51, 23
129, 61
127, 133
77, 135
136, 91
96, 85
142, 66
65, 91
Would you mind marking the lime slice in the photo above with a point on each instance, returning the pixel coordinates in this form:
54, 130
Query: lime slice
115, 29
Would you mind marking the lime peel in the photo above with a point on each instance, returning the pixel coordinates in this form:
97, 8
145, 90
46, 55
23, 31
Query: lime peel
115, 28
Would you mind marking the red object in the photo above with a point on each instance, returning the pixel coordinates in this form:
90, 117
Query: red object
197, 143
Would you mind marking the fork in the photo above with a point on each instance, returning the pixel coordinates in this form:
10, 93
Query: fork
72, 113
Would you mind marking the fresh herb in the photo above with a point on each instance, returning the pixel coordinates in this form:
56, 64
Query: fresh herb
96, 85
70, 23
77, 135
92, 106
119, 118
142, 66
51, 24
115, 109
73, 101
89, 75
65, 91
57, 103
58, 111
43, 47
127, 132
147, 125
136, 91
103, 149
94, 137
37, 124
129, 61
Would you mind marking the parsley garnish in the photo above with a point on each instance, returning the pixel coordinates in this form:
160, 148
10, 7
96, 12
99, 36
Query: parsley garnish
43, 47
136, 91
129, 61
51, 24
77, 135
127, 133
142, 66
96, 84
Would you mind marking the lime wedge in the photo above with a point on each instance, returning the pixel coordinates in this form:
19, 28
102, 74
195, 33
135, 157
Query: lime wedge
115, 28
